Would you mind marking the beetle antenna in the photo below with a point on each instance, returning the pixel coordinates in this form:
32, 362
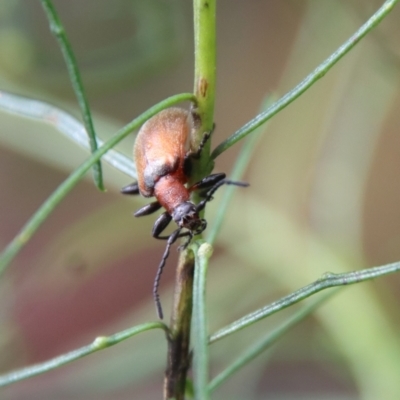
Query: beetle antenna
172, 238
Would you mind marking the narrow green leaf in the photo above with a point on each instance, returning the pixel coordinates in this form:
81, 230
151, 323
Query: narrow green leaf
99, 343
328, 280
317, 74
58, 30
270, 339
65, 123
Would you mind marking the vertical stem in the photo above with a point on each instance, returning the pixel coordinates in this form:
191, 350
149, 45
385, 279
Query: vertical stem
205, 58
203, 115
178, 360
205, 76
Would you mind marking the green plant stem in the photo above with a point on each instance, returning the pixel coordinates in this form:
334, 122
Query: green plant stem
317, 74
328, 280
199, 323
99, 343
205, 59
204, 79
203, 115
55, 198
265, 343
58, 31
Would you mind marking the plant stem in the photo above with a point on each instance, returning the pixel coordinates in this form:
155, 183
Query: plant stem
55, 198
58, 31
317, 74
204, 79
178, 360
99, 343
203, 117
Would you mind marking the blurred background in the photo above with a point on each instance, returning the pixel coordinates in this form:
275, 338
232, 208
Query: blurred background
324, 197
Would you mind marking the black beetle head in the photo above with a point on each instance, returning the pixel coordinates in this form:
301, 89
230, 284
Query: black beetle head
187, 216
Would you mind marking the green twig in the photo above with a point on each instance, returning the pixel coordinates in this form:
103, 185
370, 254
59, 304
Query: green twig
204, 78
205, 59
328, 280
199, 324
267, 341
55, 198
317, 74
58, 31
203, 115
100, 343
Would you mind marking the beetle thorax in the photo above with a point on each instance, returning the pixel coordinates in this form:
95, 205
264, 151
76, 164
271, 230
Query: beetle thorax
170, 192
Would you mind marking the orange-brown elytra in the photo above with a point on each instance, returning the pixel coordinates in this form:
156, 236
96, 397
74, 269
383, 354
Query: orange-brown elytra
163, 165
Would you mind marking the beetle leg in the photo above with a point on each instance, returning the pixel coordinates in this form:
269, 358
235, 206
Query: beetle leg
187, 162
171, 239
207, 182
147, 209
196, 154
161, 223
189, 239
133, 188
209, 194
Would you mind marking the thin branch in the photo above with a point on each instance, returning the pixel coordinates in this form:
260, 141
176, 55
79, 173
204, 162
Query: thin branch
328, 280
58, 31
100, 343
205, 59
204, 80
317, 74
203, 116
55, 198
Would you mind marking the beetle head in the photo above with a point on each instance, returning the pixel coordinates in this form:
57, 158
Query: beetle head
187, 216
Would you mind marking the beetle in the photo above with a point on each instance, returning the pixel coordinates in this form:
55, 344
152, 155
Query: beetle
163, 166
